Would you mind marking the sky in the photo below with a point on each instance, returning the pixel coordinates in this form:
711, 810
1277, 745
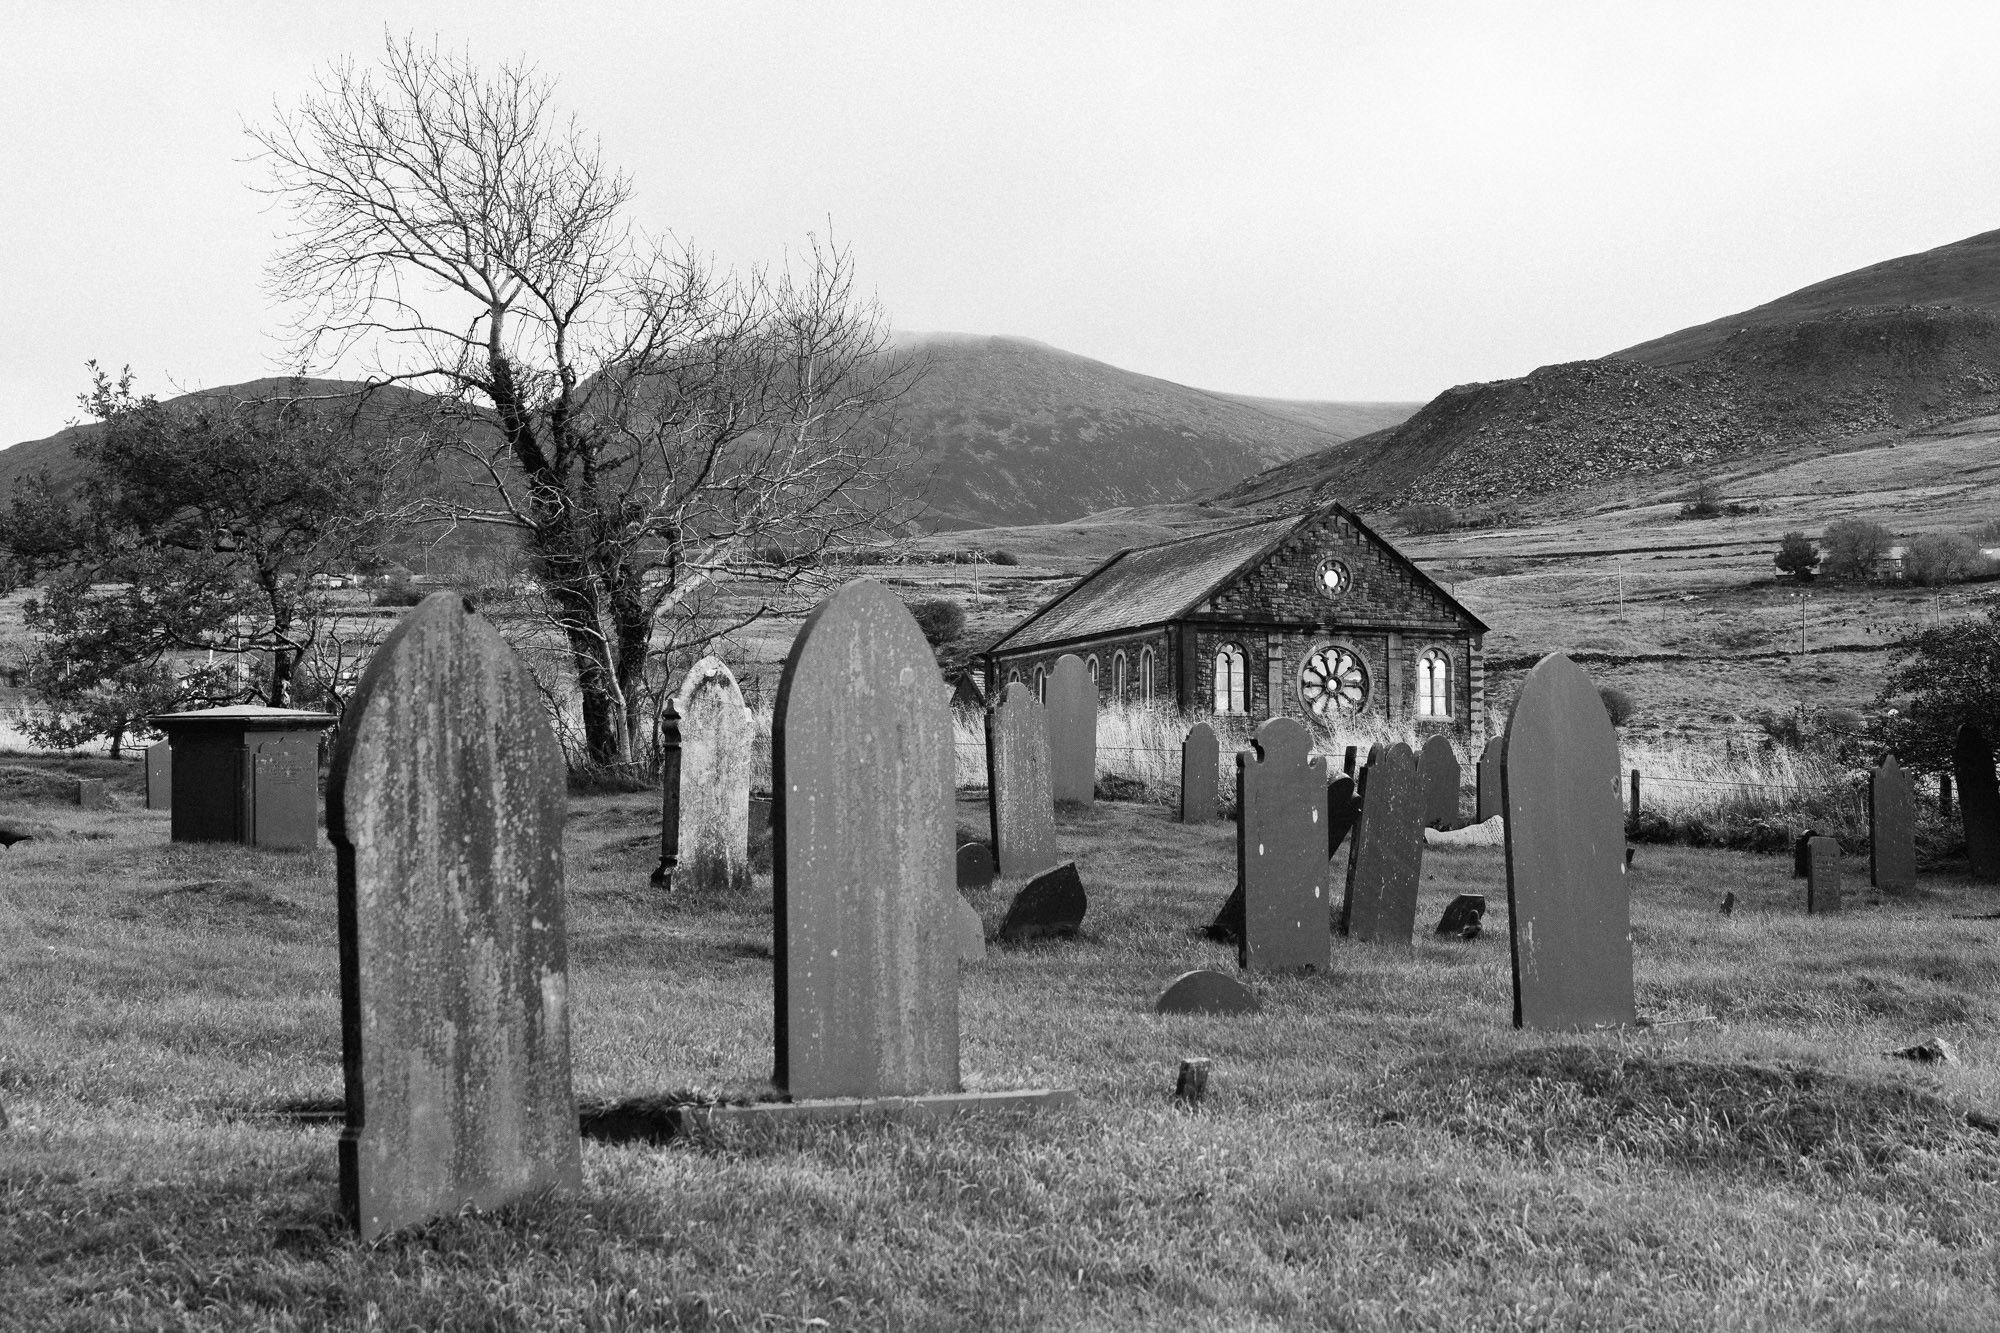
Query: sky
1362, 201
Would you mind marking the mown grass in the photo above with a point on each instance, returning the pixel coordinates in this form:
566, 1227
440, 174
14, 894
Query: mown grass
1379, 1148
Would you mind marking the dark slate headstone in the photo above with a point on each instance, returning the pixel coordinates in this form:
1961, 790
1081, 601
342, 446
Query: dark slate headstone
90, 793
284, 790
1200, 758
1438, 766
1048, 906
1978, 803
1207, 992
160, 776
1343, 808
1486, 801
717, 732
1281, 851
1569, 912
1823, 876
1799, 855
445, 806
975, 866
862, 757
1892, 828
1350, 760
1072, 718
1019, 795
1388, 856
1465, 912
1227, 928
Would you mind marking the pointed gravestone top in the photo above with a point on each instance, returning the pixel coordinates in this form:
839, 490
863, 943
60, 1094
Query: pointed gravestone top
445, 805
1978, 803
1569, 914
1019, 796
1387, 861
716, 737
866, 948
1072, 716
1486, 801
1892, 828
1281, 851
1438, 766
1200, 760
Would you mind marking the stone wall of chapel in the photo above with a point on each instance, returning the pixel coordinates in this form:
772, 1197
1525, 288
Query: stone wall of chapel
1104, 650
1285, 585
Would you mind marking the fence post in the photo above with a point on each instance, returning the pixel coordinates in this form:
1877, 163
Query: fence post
1635, 791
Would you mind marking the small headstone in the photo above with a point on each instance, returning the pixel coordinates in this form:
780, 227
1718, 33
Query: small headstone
975, 866
1052, 904
445, 806
1019, 794
1729, 904
90, 793
1191, 1084
160, 776
1936, 1051
1072, 719
1822, 876
1205, 991
1568, 909
1281, 851
716, 736
1463, 916
866, 971
1343, 808
1799, 853
1437, 765
1388, 857
1486, 796
968, 932
1200, 757
1892, 828
1978, 803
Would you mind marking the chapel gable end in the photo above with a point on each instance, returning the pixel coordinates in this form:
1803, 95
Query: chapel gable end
1336, 569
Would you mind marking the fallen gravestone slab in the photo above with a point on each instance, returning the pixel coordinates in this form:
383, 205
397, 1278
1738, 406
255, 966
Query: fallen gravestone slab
1019, 793
1051, 905
1437, 768
1490, 833
1281, 859
1822, 877
1978, 803
1463, 915
1380, 906
1200, 761
1205, 991
1892, 828
975, 866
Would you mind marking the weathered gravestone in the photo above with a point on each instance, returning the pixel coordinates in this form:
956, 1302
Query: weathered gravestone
975, 866
1207, 992
1800, 853
1343, 809
1019, 795
1072, 718
90, 793
445, 807
1978, 803
1486, 797
968, 931
716, 736
1380, 906
1823, 876
1463, 916
1437, 765
1050, 905
862, 757
1569, 912
1892, 828
160, 776
1281, 851
1200, 759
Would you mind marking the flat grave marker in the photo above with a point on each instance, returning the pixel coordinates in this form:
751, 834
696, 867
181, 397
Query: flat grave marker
1437, 764
1892, 828
716, 733
1281, 851
1383, 869
1020, 795
1072, 718
1978, 803
1200, 764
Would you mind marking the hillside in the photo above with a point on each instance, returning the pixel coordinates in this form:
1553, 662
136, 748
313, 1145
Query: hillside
1902, 345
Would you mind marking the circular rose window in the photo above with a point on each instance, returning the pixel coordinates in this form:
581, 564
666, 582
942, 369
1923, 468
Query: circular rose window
1332, 682
1333, 577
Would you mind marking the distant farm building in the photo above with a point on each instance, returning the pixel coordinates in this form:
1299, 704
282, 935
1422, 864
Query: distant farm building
1315, 617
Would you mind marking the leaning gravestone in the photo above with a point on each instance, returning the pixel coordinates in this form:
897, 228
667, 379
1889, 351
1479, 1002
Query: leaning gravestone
1281, 851
862, 758
1568, 908
1049, 906
1486, 797
1072, 718
716, 737
1207, 992
1200, 759
1823, 877
1019, 796
1892, 828
1343, 809
1438, 767
1387, 861
1978, 803
445, 807
160, 776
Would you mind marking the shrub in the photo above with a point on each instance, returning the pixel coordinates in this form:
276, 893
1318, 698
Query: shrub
1852, 548
1939, 679
1002, 558
1703, 500
1620, 705
1797, 556
940, 618
1425, 518
397, 590
1943, 557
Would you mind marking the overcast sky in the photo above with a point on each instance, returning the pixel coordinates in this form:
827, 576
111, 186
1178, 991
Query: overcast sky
1319, 200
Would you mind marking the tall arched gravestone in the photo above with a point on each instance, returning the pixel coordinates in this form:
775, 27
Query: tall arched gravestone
866, 956
716, 737
1438, 767
1978, 803
445, 806
1281, 851
1072, 714
1387, 860
1892, 828
1487, 801
1019, 797
1200, 760
1569, 913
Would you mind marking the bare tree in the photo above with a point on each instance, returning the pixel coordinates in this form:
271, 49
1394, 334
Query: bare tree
647, 423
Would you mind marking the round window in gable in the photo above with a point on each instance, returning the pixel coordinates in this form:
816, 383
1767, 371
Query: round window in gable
1333, 682
1334, 578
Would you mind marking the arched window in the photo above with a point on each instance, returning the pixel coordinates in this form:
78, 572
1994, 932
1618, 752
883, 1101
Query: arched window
1013, 676
1232, 680
1434, 684
1090, 664
1042, 683
1120, 675
1146, 675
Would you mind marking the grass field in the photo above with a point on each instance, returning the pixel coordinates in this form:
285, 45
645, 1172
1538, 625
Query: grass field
1379, 1149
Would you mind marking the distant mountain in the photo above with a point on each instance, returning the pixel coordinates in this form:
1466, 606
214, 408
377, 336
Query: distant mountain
1902, 344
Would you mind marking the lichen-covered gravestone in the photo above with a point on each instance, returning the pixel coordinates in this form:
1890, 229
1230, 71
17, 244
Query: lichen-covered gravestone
1486, 796
1072, 717
1019, 797
1200, 758
866, 956
1438, 766
445, 806
160, 776
1281, 851
1892, 828
1978, 803
716, 736
1822, 876
1569, 911
1380, 906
